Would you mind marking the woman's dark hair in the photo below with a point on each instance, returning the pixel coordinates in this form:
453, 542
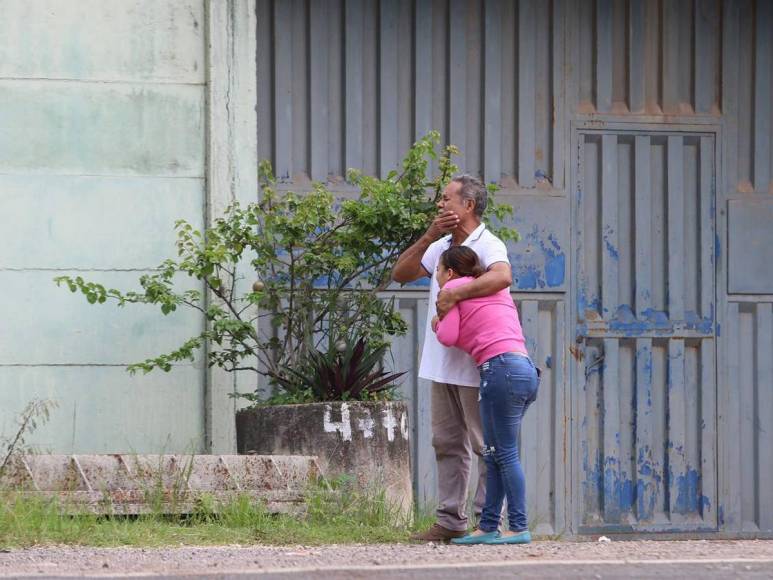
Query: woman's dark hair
463, 261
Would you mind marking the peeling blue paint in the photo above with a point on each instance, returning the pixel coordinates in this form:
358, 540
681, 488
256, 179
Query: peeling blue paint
647, 377
549, 362
619, 491
555, 268
528, 278
645, 508
611, 250
626, 321
584, 303
701, 324
688, 499
540, 261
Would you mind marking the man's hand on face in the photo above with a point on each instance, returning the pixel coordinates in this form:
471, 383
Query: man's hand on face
444, 223
446, 300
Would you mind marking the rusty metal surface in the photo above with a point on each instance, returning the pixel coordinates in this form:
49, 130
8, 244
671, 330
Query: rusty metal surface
136, 484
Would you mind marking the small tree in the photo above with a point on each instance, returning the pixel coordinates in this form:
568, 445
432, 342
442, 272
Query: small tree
322, 265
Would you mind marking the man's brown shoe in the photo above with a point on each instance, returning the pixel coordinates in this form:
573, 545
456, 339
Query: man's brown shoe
437, 533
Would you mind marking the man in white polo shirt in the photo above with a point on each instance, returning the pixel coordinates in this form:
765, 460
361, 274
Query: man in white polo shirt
457, 436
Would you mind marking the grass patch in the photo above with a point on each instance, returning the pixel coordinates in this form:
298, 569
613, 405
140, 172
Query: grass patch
333, 516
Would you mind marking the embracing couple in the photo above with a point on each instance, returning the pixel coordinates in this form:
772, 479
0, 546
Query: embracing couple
482, 377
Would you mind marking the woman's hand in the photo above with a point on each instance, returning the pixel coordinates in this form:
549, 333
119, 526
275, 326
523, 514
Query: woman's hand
435, 321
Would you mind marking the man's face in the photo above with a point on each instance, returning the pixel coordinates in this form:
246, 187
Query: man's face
452, 201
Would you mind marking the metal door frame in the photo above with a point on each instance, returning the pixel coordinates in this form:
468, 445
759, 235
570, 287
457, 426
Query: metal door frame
647, 125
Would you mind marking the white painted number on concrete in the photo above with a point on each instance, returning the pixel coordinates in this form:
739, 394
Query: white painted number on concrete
366, 425
389, 424
404, 425
344, 427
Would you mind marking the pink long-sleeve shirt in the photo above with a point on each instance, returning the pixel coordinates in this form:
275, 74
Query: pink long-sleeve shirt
484, 327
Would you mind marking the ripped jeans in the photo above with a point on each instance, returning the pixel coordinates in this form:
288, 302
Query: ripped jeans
508, 385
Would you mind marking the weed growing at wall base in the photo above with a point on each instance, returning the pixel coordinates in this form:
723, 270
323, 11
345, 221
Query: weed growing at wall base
333, 516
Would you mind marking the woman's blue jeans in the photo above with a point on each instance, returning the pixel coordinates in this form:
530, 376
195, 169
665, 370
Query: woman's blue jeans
508, 385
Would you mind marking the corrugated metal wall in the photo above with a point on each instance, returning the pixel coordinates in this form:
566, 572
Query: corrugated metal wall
633, 139
646, 57
745, 283
353, 84
749, 411
645, 381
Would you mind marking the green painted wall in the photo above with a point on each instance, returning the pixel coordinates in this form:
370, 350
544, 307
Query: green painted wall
102, 148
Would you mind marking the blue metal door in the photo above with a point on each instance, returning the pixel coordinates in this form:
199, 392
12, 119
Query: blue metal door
644, 385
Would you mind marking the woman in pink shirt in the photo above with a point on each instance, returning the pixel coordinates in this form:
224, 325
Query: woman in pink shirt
489, 330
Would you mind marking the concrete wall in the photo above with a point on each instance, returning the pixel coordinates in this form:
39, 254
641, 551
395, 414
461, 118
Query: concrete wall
102, 147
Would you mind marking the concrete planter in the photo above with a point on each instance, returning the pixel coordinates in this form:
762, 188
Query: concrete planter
366, 440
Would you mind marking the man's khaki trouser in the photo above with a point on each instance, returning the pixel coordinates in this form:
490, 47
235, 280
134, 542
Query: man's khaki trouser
457, 437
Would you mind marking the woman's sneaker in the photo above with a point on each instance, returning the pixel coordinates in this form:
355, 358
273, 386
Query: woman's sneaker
472, 539
520, 538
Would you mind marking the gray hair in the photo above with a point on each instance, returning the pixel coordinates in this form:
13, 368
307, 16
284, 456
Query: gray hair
474, 189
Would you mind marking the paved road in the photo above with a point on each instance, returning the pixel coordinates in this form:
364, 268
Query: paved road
697, 560
601, 569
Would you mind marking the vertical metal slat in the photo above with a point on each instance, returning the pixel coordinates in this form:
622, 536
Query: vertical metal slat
704, 66
764, 415
747, 431
676, 253
556, 380
647, 481
318, 57
763, 67
353, 84
643, 224
730, 473
423, 69
492, 102
670, 56
530, 444
458, 76
706, 222
636, 56
612, 475
603, 56
677, 463
526, 93
610, 257
387, 126
283, 87
708, 434
558, 89
425, 476
731, 34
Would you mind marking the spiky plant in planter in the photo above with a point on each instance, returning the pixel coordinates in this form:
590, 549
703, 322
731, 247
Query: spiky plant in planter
351, 371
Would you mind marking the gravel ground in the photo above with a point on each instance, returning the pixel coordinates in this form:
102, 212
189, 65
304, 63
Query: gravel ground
65, 560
